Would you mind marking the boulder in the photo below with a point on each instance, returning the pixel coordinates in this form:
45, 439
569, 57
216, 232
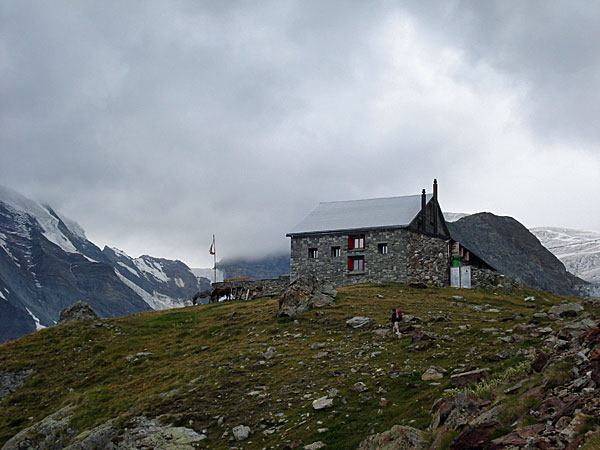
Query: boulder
399, 437
467, 378
517, 438
358, 321
322, 403
454, 412
431, 374
304, 294
241, 432
566, 310
77, 311
475, 436
540, 362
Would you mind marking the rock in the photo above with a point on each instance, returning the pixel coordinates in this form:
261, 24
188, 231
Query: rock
360, 387
566, 310
393, 375
269, 353
304, 294
455, 412
11, 381
382, 333
399, 437
467, 378
314, 446
322, 403
77, 311
431, 374
475, 436
50, 432
517, 438
317, 345
540, 362
420, 335
358, 321
241, 432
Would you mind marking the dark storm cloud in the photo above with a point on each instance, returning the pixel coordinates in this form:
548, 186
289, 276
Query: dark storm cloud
157, 124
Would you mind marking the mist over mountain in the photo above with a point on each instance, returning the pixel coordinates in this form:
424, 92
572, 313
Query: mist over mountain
272, 266
47, 263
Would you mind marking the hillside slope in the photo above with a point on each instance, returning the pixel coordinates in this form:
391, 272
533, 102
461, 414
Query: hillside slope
196, 374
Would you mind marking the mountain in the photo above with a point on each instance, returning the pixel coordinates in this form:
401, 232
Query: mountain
47, 263
256, 269
514, 251
578, 250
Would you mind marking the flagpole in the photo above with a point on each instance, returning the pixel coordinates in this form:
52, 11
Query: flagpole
215, 257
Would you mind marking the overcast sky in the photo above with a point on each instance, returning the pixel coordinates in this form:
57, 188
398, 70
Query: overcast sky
156, 124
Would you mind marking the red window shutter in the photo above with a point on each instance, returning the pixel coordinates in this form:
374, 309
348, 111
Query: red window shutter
350, 242
350, 264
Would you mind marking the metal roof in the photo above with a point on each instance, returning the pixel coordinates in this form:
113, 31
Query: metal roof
390, 212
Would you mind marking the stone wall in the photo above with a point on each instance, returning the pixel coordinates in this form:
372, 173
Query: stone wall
481, 277
410, 257
334, 269
428, 260
250, 289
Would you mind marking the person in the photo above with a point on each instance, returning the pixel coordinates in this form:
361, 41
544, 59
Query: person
396, 318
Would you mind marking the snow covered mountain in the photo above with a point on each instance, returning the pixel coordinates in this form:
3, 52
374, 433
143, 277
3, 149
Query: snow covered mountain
578, 250
47, 263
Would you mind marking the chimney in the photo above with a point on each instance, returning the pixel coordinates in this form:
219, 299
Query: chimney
423, 212
435, 207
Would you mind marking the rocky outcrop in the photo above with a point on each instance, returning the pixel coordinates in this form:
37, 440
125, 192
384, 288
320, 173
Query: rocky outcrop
399, 437
11, 381
567, 398
54, 432
77, 311
304, 294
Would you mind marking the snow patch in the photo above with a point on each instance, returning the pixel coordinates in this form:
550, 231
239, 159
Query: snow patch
151, 267
179, 282
120, 252
2, 296
47, 221
38, 325
4, 246
125, 266
155, 300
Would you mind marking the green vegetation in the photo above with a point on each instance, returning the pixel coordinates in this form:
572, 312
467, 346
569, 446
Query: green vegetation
194, 365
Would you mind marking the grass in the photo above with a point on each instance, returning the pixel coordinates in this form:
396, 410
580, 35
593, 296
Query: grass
205, 363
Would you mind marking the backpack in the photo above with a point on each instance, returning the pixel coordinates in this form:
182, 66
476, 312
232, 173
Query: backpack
397, 314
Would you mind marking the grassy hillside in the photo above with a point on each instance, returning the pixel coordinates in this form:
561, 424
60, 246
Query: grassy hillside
213, 367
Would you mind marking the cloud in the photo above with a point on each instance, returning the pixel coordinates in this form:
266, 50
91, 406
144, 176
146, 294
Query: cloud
156, 125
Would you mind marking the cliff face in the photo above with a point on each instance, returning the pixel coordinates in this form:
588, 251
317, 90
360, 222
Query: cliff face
514, 251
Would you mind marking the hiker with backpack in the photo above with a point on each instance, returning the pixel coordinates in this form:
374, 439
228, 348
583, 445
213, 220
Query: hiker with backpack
396, 318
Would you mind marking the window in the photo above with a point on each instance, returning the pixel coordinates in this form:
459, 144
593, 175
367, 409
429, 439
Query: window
356, 263
313, 253
357, 241
335, 252
382, 249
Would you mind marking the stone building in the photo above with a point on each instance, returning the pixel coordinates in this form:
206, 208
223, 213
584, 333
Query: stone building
396, 239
